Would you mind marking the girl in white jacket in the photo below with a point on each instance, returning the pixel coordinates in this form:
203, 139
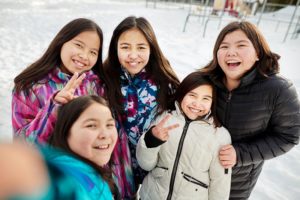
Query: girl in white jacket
181, 150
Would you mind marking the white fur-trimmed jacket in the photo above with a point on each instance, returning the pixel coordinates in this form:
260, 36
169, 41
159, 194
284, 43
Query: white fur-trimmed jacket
187, 165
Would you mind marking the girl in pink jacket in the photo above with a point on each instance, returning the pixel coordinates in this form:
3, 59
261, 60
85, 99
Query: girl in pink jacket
70, 67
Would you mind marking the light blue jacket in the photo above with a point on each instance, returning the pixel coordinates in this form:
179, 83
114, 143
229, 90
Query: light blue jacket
70, 178
90, 183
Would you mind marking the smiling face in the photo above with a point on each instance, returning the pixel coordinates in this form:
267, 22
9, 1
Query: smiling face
197, 102
236, 56
133, 51
80, 53
93, 135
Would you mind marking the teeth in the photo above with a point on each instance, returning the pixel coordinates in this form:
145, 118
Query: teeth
133, 63
233, 62
103, 146
78, 63
195, 110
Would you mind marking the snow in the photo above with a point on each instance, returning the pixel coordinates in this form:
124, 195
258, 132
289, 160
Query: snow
27, 28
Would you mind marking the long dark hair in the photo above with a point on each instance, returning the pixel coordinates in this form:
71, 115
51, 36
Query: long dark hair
67, 116
158, 67
192, 81
51, 58
268, 61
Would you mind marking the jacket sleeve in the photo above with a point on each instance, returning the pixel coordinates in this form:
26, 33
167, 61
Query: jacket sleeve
282, 133
32, 120
220, 178
147, 157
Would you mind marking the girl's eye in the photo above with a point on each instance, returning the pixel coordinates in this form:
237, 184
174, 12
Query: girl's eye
192, 95
92, 126
124, 47
78, 45
110, 125
223, 47
94, 53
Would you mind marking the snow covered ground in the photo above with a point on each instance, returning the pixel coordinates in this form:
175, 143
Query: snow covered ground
27, 27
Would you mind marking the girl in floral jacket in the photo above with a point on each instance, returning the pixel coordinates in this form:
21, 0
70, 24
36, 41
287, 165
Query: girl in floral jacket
70, 67
140, 82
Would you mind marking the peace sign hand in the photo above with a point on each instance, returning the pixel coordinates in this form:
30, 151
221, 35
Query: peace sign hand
67, 93
161, 132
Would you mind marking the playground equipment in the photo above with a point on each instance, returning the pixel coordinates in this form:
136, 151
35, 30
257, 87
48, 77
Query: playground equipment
224, 10
218, 10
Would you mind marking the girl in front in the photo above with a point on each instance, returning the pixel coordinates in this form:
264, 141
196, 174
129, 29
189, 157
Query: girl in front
70, 67
73, 168
140, 84
85, 140
181, 150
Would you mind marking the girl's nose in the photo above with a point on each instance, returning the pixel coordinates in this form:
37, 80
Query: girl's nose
231, 52
196, 104
101, 134
133, 54
84, 55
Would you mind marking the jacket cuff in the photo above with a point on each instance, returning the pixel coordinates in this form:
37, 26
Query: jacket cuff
239, 161
151, 141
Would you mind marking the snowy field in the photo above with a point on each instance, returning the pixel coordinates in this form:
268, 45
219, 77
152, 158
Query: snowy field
27, 27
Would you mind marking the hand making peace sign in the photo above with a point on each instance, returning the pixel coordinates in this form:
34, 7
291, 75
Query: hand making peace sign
67, 93
161, 132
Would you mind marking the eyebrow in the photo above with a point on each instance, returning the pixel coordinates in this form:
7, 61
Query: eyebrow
140, 44
90, 119
208, 96
239, 41
197, 94
111, 119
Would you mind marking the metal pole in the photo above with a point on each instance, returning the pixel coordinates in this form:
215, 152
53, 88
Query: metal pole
292, 19
185, 23
297, 29
261, 12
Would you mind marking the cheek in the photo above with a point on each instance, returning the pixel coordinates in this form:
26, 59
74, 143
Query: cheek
183, 103
250, 59
146, 56
94, 61
121, 58
114, 136
80, 145
208, 106
220, 56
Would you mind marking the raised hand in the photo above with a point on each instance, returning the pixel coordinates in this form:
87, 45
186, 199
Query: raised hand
67, 93
161, 132
227, 156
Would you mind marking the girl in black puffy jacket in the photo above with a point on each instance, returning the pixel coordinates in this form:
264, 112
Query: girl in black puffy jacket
259, 107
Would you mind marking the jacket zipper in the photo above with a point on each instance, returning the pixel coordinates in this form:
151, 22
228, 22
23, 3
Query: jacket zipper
229, 97
227, 107
193, 180
175, 166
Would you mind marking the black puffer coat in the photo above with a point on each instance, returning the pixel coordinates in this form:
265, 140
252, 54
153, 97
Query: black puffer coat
262, 116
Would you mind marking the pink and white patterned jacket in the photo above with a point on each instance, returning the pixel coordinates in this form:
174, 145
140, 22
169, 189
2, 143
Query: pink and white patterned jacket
34, 113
